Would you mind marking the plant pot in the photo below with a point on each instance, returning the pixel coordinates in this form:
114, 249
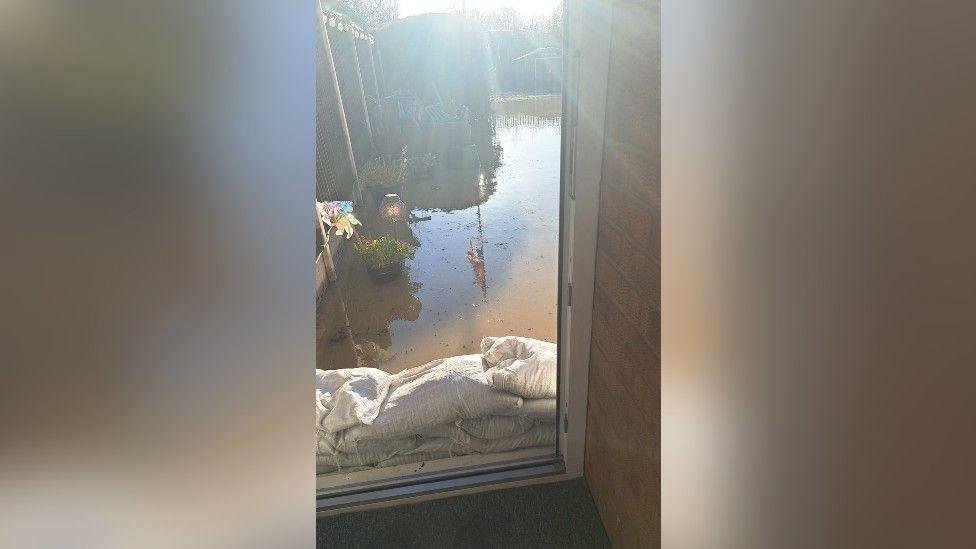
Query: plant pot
379, 192
386, 273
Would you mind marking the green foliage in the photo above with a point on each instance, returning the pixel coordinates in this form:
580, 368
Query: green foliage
384, 251
383, 172
374, 14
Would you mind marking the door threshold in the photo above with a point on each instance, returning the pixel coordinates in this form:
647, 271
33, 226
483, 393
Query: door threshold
441, 484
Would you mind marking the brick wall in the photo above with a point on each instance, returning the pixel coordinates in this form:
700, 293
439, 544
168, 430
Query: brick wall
622, 463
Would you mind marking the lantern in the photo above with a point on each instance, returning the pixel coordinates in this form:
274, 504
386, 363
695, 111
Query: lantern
392, 209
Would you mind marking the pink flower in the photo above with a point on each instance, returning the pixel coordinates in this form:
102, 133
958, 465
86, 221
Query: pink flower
334, 216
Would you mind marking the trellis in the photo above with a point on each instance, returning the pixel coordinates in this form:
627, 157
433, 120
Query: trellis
349, 86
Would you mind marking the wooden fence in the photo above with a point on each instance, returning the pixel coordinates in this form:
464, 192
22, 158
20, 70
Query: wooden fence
349, 85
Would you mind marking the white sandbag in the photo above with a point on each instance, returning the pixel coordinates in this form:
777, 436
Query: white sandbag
325, 465
448, 430
414, 458
454, 445
457, 443
520, 365
436, 393
350, 396
348, 462
325, 443
320, 410
383, 445
542, 409
543, 434
492, 427
359, 459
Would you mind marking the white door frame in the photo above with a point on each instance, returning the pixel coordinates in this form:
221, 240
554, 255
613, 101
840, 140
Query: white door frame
587, 55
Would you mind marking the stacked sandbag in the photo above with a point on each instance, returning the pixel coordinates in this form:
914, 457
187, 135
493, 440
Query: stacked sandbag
434, 394
541, 409
499, 401
493, 427
349, 397
521, 366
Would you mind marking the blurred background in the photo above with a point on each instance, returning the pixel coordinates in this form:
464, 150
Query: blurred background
158, 341
818, 274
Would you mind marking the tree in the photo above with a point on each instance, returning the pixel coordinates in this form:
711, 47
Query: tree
374, 14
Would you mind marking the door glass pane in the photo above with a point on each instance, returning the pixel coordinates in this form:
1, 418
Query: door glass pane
439, 151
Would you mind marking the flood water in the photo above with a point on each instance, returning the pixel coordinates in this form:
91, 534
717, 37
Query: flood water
487, 253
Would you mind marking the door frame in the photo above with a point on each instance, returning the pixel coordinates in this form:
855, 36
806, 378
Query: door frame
586, 60
586, 68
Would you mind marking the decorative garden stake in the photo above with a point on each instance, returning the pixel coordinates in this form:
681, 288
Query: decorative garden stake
342, 221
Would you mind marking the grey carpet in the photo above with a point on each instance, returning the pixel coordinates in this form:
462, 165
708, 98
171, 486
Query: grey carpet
560, 514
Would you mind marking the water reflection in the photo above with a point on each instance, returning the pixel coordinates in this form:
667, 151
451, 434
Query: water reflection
527, 111
487, 252
476, 256
448, 190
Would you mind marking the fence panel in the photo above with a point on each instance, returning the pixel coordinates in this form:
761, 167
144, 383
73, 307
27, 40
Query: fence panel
334, 174
368, 72
352, 93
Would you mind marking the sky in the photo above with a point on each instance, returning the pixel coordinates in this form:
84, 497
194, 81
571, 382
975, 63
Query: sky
529, 8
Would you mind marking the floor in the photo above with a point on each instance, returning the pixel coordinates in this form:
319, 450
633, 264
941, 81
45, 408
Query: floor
487, 253
560, 514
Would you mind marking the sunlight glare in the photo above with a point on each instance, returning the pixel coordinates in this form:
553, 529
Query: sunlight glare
536, 8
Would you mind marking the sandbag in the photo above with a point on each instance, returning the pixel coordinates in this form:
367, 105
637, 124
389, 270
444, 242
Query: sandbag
325, 465
361, 459
414, 458
542, 409
454, 445
349, 397
492, 427
543, 434
433, 394
342, 462
386, 446
520, 365
457, 442
325, 443
448, 430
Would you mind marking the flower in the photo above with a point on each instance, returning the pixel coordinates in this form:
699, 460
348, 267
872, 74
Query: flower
344, 224
329, 210
334, 216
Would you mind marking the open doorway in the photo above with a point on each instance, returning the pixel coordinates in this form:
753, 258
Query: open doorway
439, 207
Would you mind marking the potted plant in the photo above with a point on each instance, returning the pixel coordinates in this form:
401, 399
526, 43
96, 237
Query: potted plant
384, 257
383, 176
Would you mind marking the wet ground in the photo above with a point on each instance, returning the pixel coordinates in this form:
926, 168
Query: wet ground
487, 253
